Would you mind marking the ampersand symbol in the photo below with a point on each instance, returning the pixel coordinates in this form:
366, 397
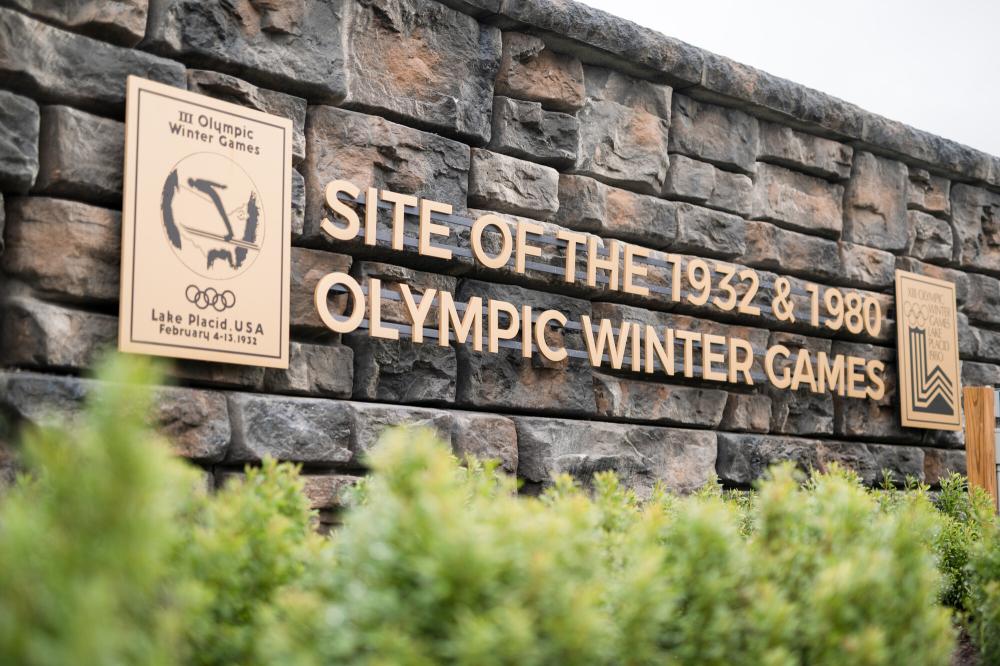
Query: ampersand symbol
783, 308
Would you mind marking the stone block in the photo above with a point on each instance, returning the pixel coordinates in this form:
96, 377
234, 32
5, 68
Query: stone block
402, 370
875, 203
745, 458
710, 233
980, 374
327, 492
526, 130
939, 464
589, 205
982, 303
960, 279
930, 238
976, 216
986, 343
509, 185
42, 399
391, 276
747, 412
307, 268
681, 460
81, 156
19, 131
653, 402
866, 267
3, 225
42, 335
623, 131
808, 153
485, 436
373, 152
120, 21
723, 136
314, 370
798, 201
83, 266
231, 89
305, 430
372, 420
901, 462
704, 184
790, 253
218, 375
61, 67
506, 380
293, 46
195, 422
928, 192
420, 61
799, 412
529, 70
298, 205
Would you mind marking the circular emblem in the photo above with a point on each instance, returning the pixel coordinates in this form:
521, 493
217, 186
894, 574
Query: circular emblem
210, 297
212, 215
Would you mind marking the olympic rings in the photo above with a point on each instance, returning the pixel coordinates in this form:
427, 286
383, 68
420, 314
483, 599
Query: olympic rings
210, 297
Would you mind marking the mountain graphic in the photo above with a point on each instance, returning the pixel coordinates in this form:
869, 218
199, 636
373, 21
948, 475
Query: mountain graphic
933, 390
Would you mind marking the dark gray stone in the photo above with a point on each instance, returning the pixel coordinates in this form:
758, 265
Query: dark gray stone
930, 238
641, 456
980, 374
485, 436
402, 371
747, 412
231, 89
305, 430
420, 61
633, 400
120, 21
527, 131
707, 232
982, 303
293, 46
219, 375
42, 335
791, 253
83, 266
939, 464
780, 144
19, 122
719, 135
314, 370
307, 268
866, 267
509, 185
928, 192
976, 215
298, 205
586, 204
530, 71
81, 156
704, 184
798, 201
62, 67
623, 131
875, 203
372, 420
799, 412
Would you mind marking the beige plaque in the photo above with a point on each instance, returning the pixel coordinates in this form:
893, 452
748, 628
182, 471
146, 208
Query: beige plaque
205, 229
927, 336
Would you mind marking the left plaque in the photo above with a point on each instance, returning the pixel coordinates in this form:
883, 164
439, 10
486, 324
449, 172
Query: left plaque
205, 228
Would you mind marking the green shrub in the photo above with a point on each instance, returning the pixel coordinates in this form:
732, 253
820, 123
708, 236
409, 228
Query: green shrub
112, 552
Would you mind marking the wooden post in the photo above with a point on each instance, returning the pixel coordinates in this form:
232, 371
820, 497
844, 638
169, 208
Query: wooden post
980, 438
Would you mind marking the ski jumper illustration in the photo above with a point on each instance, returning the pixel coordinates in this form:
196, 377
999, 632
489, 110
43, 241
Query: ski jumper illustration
210, 188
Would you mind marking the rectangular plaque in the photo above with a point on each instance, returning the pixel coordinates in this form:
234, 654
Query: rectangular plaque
205, 228
930, 384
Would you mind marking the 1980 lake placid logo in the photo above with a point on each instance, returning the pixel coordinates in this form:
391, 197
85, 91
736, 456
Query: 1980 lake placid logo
927, 336
205, 229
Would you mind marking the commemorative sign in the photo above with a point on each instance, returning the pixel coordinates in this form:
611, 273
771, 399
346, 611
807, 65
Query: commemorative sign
205, 229
927, 339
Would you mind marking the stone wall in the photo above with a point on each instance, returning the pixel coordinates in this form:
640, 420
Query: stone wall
541, 109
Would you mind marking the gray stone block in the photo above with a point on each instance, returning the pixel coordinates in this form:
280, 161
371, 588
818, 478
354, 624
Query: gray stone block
81, 156
641, 456
976, 216
36, 334
485, 436
982, 303
62, 67
586, 204
790, 253
875, 203
747, 412
526, 130
19, 123
780, 144
305, 430
314, 370
707, 232
960, 279
797, 201
653, 402
799, 412
307, 268
704, 184
939, 464
402, 371
530, 71
509, 185
723, 136
930, 238
120, 21
928, 192
866, 267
